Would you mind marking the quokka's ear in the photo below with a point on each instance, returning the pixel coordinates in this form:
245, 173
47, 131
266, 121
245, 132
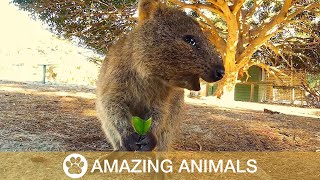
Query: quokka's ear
146, 8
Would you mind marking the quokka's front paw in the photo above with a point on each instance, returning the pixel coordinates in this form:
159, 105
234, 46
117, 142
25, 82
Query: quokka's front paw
136, 142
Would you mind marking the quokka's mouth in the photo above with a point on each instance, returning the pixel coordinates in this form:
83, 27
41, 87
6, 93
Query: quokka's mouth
193, 83
195, 87
209, 78
190, 82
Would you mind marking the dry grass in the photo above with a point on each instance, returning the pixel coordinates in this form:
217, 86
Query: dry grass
56, 118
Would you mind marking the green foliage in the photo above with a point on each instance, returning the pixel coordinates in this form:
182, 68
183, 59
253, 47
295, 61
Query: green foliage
141, 126
97, 23
91, 23
312, 86
298, 42
313, 81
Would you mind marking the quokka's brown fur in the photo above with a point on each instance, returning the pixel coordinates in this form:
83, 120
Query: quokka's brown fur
145, 72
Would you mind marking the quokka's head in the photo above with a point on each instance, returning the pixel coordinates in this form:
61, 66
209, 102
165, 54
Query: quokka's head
171, 46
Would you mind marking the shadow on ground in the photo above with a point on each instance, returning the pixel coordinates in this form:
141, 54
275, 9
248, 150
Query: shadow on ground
40, 118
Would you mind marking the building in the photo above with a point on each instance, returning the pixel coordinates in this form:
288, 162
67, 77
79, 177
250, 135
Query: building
264, 87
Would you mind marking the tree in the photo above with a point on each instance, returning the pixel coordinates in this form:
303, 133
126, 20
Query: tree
265, 33
92, 23
241, 29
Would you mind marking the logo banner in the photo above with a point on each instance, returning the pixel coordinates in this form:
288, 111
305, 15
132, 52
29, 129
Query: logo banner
170, 165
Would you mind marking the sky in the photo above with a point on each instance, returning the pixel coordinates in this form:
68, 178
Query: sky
19, 32
17, 29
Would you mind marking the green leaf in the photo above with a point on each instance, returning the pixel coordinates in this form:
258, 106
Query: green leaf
141, 126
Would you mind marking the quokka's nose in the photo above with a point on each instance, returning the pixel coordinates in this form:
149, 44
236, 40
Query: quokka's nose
215, 74
219, 73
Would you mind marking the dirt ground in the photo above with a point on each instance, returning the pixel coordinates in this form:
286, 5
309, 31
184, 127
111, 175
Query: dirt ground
35, 117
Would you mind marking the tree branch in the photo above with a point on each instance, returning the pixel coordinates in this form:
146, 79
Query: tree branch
263, 36
308, 31
277, 51
262, 30
270, 70
235, 8
214, 36
197, 6
300, 10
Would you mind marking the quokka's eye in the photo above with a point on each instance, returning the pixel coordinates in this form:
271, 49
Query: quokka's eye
191, 40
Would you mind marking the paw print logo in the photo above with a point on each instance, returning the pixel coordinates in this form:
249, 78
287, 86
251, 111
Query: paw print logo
75, 165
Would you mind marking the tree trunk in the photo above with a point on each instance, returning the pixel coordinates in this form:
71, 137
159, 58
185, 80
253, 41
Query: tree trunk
226, 87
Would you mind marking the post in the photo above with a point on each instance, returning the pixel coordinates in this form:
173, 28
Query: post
44, 73
204, 91
301, 97
207, 89
292, 95
251, 92
292, 82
